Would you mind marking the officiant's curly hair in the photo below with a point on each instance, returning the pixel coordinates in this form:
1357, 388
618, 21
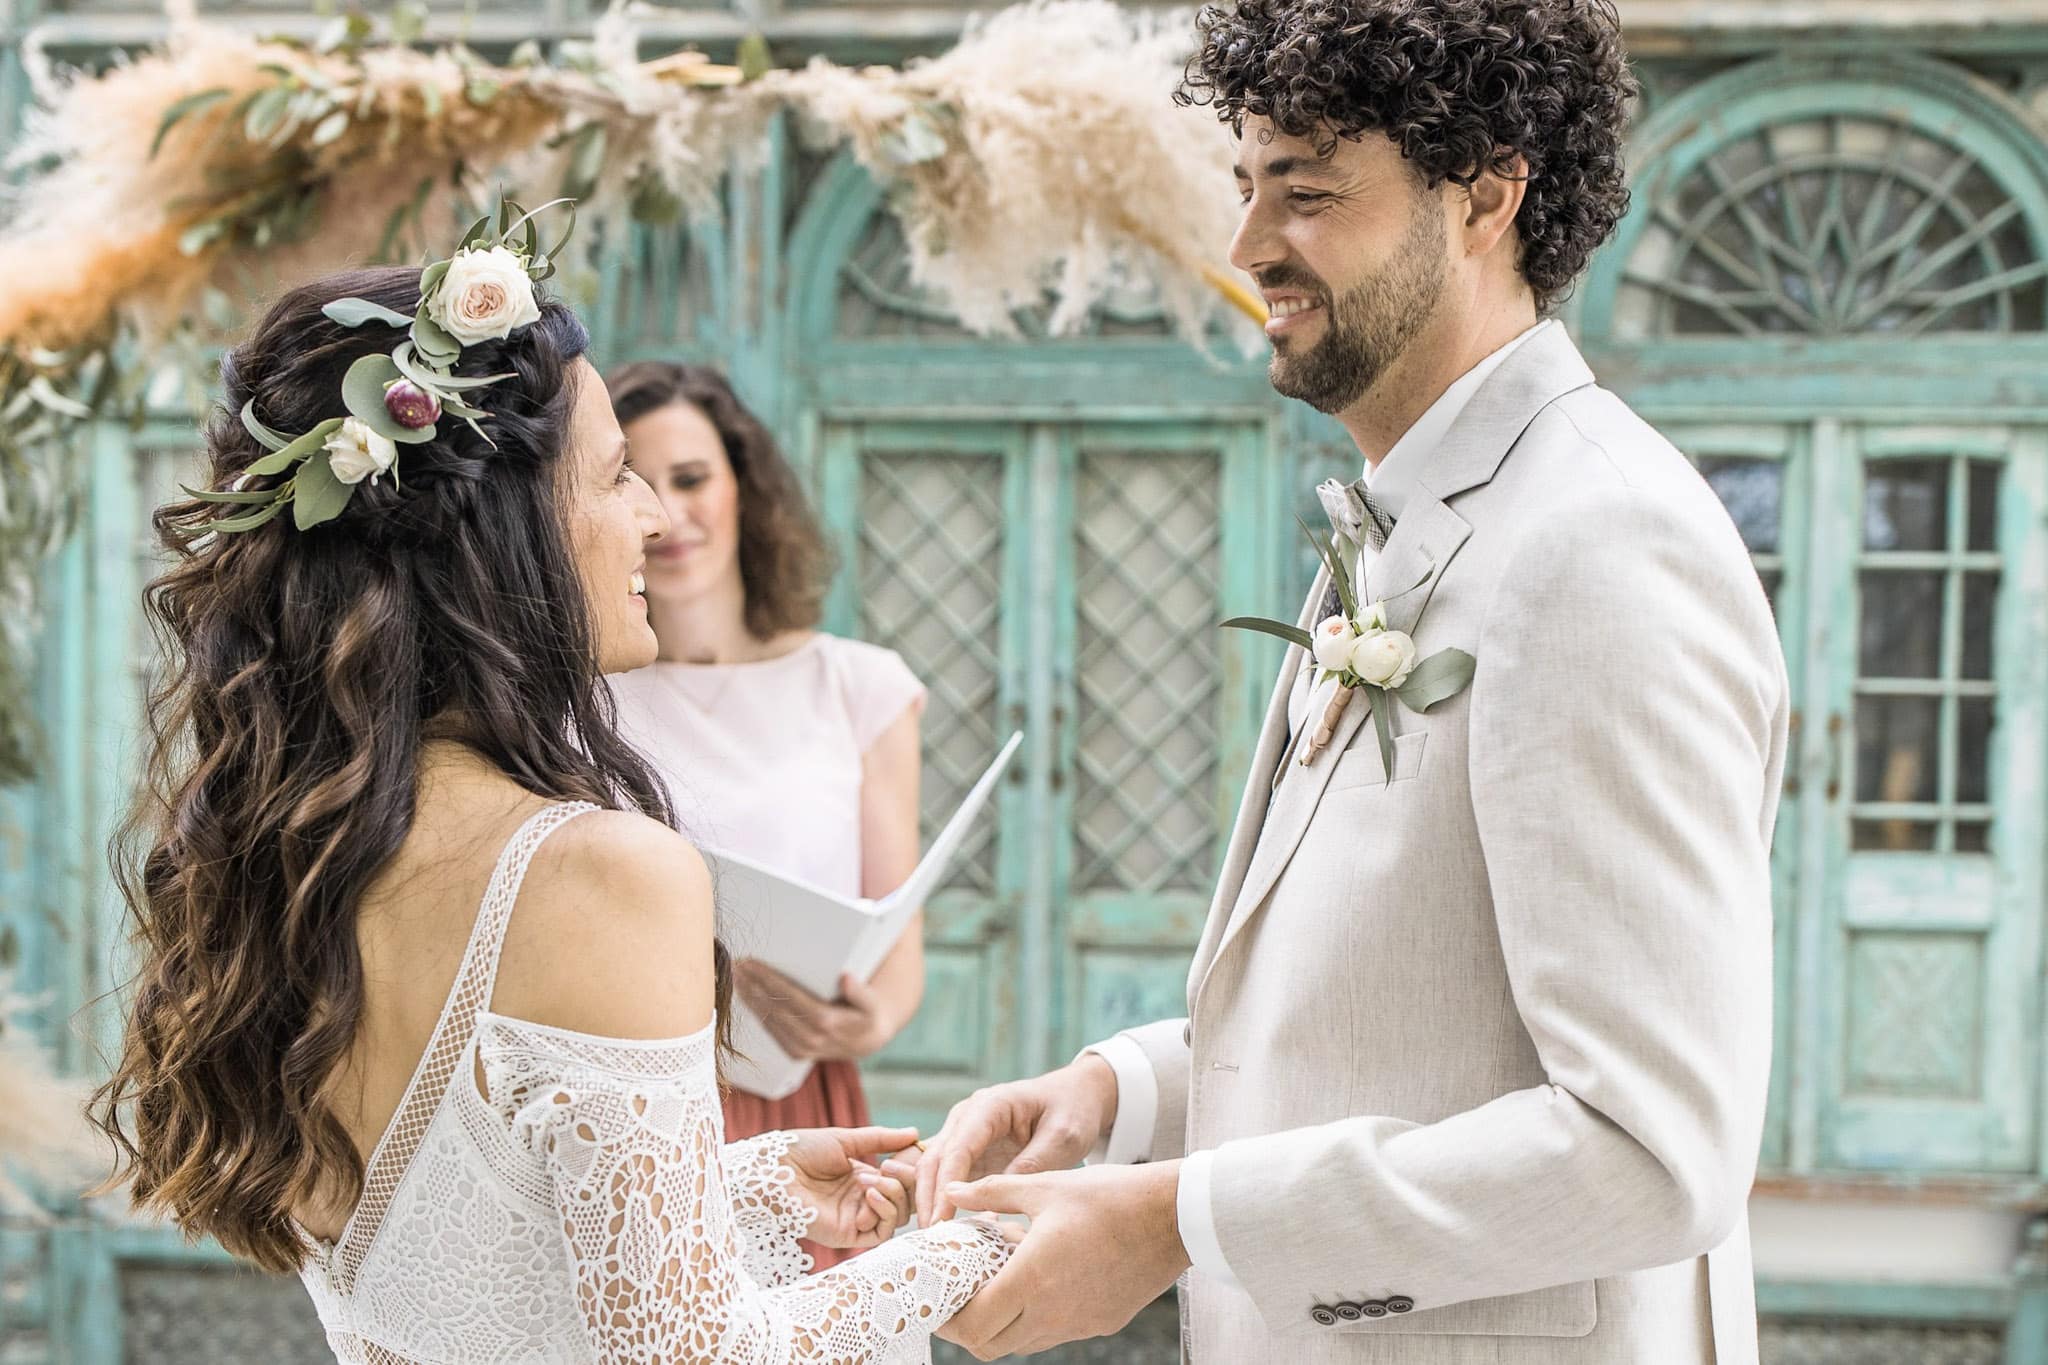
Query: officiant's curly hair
1459, 86
303, 673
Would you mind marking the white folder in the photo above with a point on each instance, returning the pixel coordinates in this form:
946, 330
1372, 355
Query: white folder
814, 936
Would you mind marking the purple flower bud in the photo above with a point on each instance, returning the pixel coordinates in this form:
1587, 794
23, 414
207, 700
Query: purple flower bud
411, 406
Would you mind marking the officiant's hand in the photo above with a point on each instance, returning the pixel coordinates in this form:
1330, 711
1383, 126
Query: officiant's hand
837, 1175
1046, 1123
1103, 1243
855, 1026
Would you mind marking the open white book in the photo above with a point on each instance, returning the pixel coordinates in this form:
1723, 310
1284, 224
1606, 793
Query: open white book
813, 936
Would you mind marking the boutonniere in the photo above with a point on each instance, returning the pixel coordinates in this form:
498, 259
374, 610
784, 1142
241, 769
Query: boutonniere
1358, 650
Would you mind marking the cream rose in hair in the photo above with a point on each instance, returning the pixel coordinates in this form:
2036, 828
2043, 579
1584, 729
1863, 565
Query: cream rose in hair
484, 295
355, 452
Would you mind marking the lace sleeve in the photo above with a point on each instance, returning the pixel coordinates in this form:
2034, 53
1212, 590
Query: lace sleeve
767, 1213
634, 1156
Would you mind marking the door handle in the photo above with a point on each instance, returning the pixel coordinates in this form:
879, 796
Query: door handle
1794, 759
1836, 725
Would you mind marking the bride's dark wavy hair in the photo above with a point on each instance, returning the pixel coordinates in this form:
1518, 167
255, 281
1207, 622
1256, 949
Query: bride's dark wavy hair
304, 670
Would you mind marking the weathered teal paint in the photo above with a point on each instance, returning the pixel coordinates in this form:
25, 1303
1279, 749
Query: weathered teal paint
1029, 965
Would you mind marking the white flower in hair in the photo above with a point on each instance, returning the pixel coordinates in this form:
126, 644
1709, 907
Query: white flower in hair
485, 294
354, 452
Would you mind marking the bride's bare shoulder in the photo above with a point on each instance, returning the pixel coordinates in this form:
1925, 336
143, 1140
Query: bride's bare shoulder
611, 934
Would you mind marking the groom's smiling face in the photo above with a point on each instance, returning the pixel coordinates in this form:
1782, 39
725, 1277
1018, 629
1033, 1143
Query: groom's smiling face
1349, 248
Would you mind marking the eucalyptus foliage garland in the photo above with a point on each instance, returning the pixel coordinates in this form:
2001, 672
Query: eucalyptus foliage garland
1043, 155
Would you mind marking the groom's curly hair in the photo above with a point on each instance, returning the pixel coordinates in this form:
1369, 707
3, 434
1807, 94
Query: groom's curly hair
1460, 86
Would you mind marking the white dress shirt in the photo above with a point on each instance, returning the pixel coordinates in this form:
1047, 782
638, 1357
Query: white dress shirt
1130, 1136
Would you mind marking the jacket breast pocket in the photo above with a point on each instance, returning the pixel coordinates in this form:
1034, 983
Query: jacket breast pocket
1360, 764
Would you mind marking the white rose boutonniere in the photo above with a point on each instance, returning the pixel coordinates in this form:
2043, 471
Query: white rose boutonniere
1358, 650
485, 294
355, 452
1383, 658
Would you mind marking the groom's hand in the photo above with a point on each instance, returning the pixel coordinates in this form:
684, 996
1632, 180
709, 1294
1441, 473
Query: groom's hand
1104, 1242
1047, 1123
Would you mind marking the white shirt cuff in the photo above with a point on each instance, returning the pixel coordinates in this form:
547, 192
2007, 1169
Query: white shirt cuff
1198, 1221
1129, 1139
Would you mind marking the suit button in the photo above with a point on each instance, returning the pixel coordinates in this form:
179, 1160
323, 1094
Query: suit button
1325, 1317
1374, 1309
1400, 1303
1349, 1312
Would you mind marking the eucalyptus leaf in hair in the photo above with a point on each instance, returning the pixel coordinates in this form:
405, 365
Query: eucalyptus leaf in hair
400, 396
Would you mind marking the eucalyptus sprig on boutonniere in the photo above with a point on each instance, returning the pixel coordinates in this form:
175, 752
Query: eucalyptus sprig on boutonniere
1356, 648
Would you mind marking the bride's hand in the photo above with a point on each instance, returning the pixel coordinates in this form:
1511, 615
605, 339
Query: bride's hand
857, 1205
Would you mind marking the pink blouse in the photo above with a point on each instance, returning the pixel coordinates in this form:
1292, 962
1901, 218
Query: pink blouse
763, 759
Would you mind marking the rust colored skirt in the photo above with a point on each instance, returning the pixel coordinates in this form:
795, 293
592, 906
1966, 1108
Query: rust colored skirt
830, 1097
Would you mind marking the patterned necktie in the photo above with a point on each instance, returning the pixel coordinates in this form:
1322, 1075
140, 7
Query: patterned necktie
1357, 515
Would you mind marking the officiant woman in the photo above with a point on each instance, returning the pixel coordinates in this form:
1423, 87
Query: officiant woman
779, 742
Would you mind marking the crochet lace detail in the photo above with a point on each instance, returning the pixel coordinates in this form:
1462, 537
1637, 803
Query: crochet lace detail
585, 1208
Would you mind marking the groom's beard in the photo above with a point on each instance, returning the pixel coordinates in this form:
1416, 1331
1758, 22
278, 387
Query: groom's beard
1368, 326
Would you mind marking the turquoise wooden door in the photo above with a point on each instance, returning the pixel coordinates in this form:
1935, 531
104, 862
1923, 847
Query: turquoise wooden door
1064, 579
1762, 472
1936, 570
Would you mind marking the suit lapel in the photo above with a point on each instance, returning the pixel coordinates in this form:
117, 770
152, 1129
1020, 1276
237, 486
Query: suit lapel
1267, 769
1427, 535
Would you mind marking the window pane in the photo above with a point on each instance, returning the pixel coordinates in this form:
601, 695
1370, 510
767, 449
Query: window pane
1901, 624
1753, 493
1905, 505
1973, 838
1973, 750
1980, 610
1984, 504
1892, 836
1897, 748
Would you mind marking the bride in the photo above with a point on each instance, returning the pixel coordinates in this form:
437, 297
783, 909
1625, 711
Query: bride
429, 1008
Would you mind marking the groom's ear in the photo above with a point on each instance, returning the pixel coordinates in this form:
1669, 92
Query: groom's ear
1492, 202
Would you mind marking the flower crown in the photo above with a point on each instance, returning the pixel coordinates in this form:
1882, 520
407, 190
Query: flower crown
481, 293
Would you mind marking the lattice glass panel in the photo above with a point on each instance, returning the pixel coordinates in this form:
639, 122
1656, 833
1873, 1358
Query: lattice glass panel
1835, 226
1836, 1342
1148, 672
171, 1315
930, 588
1927, 586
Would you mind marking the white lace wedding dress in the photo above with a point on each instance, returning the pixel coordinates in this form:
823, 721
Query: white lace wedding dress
585, 1208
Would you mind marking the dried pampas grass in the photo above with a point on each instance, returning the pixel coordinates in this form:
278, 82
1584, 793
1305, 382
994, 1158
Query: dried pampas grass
1045, 152
43, 1129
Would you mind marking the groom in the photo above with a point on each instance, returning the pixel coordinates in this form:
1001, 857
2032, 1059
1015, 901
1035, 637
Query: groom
1475, 1062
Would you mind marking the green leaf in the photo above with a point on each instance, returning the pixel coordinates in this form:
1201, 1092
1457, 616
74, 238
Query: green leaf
441, 383
526, 220
330, 128
431, 277
298, 449
450, 403
1293, 635
433, 341
318, 495
586, 159
253, 498
554, 249
1441, 676
479, 234
1347, 595
251, 521
354, 312
265, 436
1378, 697
44, 392
362, 392
267, 113
754, 58
190, 104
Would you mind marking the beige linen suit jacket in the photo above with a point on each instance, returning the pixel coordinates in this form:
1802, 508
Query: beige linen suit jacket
1482, 1051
